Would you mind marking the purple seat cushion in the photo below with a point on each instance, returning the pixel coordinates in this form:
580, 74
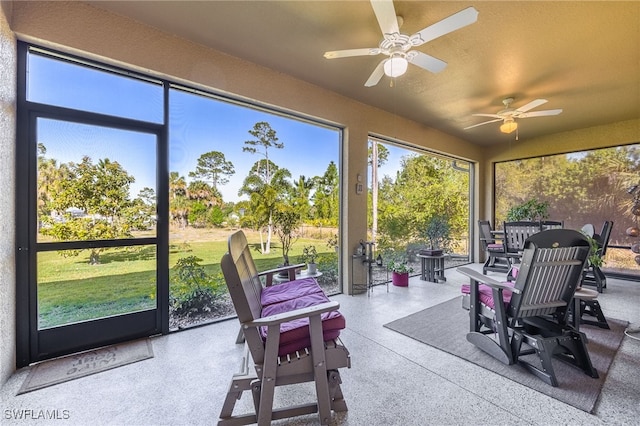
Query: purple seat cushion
495, 247
514, 272
294, 335
486, 294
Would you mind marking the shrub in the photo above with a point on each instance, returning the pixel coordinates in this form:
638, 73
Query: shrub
193, 291
328, 264
532, 210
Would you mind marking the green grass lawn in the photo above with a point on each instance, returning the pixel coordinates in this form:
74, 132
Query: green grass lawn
72, 290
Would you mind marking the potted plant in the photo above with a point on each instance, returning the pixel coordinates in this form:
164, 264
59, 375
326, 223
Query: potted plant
438, 234
309, 255
400, 271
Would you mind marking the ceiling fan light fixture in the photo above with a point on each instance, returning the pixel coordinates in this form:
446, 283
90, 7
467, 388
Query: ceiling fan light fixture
395, 66
508, 126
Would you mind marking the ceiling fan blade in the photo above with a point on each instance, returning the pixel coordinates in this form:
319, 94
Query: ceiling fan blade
425, 61
386, 14
488, 115
483, 123
540, 113
376, 75
530, 105
447, 25
352, 52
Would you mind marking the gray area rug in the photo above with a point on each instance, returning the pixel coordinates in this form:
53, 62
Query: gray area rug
71, 367
445, 326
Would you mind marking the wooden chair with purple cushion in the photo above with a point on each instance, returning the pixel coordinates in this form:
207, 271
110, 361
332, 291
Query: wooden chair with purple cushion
292, 336
496, 259
530, 316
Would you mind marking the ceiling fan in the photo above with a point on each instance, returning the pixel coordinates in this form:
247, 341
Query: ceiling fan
509, 115
397, 46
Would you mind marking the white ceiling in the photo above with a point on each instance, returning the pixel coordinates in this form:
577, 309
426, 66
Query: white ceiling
583, 56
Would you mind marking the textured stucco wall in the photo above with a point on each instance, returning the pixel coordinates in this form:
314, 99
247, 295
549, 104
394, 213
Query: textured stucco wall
7, 197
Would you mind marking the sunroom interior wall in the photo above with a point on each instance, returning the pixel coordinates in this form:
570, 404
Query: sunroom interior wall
78, 28
8, 56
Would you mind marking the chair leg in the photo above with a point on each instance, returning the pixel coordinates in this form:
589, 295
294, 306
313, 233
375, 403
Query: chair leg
486, 265
595, 277
268, 385
239, 384
569, 347
593, 309
338, 403
544, 349
601, 280
320, 369
500, 350
574, 351
496, 264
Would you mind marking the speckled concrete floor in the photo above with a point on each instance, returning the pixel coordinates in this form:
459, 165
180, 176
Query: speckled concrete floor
394, 380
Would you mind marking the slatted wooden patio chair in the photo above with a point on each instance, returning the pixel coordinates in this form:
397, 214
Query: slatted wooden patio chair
496, 261
292, 336
515, 235
551, 224
530, 316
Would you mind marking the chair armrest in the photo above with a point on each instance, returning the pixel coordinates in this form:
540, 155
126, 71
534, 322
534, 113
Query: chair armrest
481, 278
269, 273
295, 314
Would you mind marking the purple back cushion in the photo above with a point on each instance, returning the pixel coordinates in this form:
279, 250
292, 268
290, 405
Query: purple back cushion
286, 297
288, 290
486, 294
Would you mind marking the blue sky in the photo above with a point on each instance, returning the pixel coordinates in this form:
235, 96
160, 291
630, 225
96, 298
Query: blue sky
197, 125
200, 124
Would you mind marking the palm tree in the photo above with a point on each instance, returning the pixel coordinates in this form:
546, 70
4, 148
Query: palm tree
178, 204
301, 193
265, 196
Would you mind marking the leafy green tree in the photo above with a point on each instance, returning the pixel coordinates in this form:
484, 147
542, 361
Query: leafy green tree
424, 189
197, 214
264, 197
143, 208
147, 196
50, 176
264, 170
326, 198
287, 222
214, 167
178, 203
588, 187
216, 216
382, 153
265, 138
202, 191
101, 193
301, 192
